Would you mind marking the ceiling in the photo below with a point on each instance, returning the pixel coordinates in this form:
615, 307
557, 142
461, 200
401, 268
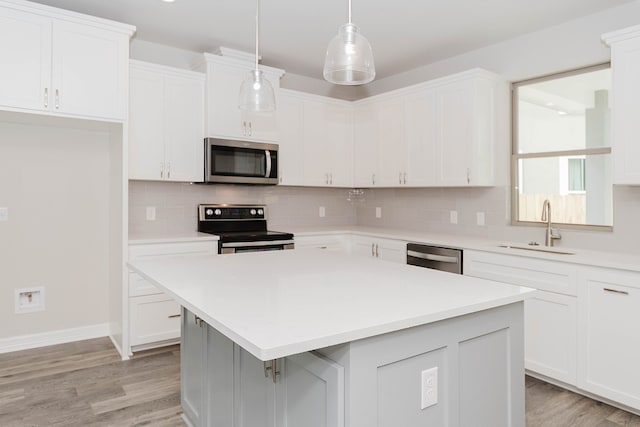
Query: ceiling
404, 34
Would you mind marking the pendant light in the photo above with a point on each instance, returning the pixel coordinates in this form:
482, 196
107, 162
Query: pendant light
349, 59
256, 92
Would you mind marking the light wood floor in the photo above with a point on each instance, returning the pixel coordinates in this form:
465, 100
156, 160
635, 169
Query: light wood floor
86, 384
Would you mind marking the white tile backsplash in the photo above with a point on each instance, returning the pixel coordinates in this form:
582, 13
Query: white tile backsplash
421, 209
176, 205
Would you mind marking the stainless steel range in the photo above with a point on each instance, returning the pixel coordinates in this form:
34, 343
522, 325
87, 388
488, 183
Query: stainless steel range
242, 228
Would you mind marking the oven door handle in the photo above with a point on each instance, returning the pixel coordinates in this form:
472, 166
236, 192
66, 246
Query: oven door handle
432, 257
252, 244
267, 154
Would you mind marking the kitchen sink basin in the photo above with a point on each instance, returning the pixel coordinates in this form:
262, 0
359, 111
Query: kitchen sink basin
545, 249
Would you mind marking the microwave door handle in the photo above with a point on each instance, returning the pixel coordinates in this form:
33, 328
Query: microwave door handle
267, 154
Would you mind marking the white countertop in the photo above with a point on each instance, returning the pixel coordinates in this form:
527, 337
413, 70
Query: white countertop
608, 259
275, 304
145, 239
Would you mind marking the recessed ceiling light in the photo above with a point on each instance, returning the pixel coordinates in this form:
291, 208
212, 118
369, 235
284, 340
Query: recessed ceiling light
168, 1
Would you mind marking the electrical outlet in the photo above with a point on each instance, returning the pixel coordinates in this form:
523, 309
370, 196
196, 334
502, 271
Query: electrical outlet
4, 214
480, 218
453, 217
378, 212
322, 212
429, 387
29, 300
151, 213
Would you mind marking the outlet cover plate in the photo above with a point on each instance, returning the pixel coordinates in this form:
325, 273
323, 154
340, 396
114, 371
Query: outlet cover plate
429, 388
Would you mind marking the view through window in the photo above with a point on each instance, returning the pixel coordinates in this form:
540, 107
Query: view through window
561, 148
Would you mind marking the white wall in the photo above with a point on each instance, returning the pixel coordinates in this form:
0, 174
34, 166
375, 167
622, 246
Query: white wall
55, 182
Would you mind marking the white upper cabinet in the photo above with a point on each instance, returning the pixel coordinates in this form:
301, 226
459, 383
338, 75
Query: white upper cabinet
316, 145
166, 124
440, 133
327, 143
625, 104
366, 139
224, 119
70, 65
290, 114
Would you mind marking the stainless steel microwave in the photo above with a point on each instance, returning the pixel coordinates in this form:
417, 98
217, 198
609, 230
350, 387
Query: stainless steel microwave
240, 162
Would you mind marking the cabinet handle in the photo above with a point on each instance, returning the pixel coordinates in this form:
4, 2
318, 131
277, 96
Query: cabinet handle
161, 170
377, 255
173, 316
46, 97
198, 321
373, 178
331, 178
169, 170
404, 178
244, 128
468, 176
270, 368
57, 99
250, 130
326, 178
399, 177
615, 291
373, 250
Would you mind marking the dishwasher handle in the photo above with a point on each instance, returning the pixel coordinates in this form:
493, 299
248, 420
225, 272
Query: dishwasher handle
433, 257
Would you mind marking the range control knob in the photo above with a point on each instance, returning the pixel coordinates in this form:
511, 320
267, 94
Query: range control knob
260, 211
252, 211
209, 212
218, 212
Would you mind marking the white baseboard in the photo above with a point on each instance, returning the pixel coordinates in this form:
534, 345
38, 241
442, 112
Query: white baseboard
25, 342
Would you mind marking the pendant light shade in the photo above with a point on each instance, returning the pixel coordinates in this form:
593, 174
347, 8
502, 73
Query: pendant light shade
349, 59
256, 93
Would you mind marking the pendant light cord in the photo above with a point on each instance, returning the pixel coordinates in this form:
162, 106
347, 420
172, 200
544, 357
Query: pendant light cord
349, 11
258, 28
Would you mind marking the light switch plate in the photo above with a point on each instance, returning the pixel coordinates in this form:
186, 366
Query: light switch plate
322, 211
4, 214
378, 212
151, 213
480, 218
453, 217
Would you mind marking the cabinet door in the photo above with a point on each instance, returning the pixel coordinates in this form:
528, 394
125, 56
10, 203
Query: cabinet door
625, 61
290, 118
316, 145
184, 128
363, 246
339, 124
153, 318
392, 148
25, 63
89, 71
455, 134
254, 391
366, 150
421, 131
550, 335
310, 392
392, 250
608, 337
192, 368
146, 125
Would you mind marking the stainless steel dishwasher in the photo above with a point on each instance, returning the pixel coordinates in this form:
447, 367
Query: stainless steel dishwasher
435, 257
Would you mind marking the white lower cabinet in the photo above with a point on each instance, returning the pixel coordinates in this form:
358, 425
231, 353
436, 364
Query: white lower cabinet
550, 315
154, 318
609, 334
385, 249
223, 385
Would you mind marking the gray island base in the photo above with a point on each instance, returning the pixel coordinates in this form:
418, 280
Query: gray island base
376, 381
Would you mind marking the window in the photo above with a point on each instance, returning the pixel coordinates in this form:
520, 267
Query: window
561, 148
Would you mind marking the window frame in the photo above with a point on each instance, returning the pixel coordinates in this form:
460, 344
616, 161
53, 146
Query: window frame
515, 156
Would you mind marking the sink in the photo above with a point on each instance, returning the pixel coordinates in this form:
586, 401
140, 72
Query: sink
545, 249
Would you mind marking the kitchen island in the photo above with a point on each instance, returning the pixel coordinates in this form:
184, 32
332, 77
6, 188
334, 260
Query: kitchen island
310, 338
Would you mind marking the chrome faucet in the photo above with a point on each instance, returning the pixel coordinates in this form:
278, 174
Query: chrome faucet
550, 233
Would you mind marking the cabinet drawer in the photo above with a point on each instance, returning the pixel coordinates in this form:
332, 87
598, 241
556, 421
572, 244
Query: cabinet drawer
153, 318
209, 247
138, 286
540, 274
